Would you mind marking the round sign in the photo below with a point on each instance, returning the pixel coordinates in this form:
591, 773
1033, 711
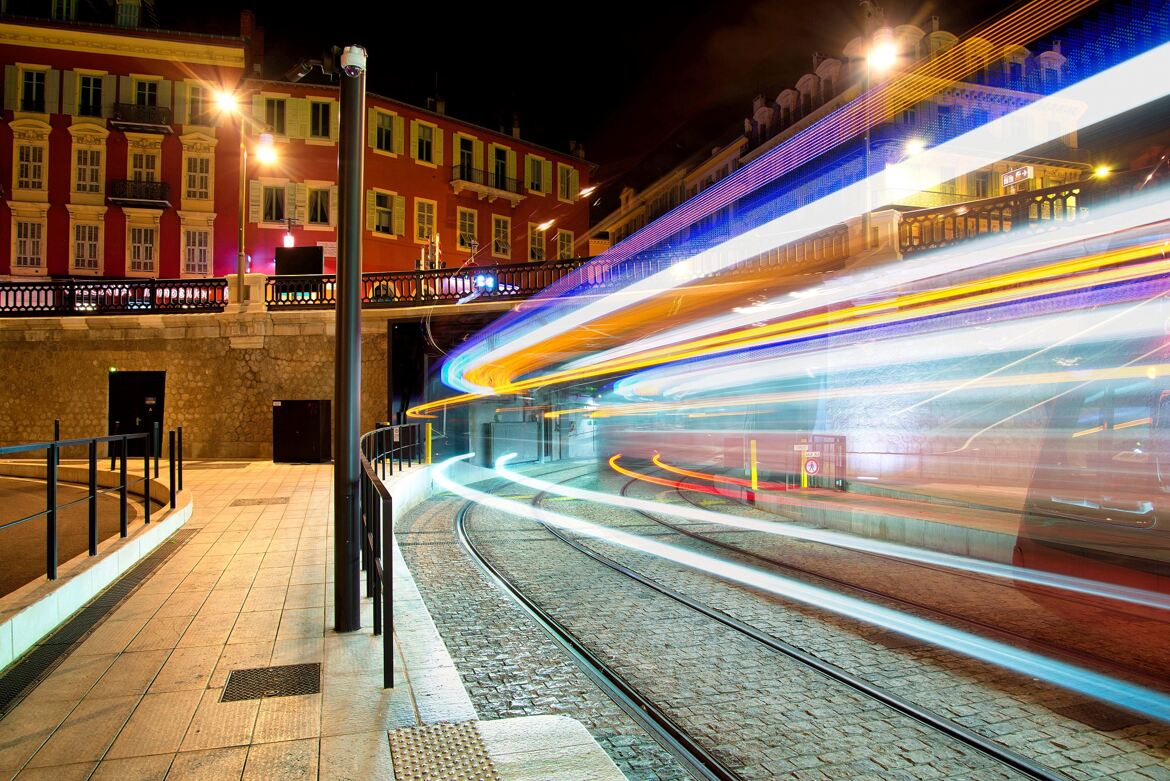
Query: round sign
811, 466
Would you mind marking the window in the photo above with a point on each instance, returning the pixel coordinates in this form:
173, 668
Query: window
501, 236
318, 207
196, 244
197, 113
146, 93
86, 240
384, 140
127, 14
564, 245
982, 184
384, 213
32, 91
29, 246
30, 167
468, 219
142, 248
500, 168
274, 114
89, 101
319, 120
535, 174
426, 142
65, 10
274, 204
89, 170
424, 218
565, 182
535, 243
144, 167
199, 177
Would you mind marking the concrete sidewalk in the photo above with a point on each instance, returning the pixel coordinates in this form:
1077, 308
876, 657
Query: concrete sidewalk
140, 697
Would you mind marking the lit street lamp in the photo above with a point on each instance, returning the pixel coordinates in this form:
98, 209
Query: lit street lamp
882, 56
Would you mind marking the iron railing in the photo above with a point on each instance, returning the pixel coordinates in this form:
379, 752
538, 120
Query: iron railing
144, 192
68, 297
407, 444
465, 173
412, 288
118, 447
134, 114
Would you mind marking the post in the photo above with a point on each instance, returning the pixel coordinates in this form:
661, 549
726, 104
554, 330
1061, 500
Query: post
180, 458
241, 257
122, 492
57, 435
386, 551
51, 516
113, 455
146, 473
429, 441
93, 528
155, 447
171, 460
347, 362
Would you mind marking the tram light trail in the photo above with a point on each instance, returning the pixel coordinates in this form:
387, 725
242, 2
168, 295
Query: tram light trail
1120, 693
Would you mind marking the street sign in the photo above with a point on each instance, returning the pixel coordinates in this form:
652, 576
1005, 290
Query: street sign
812, 454
1016, 176
801, 446
811, 466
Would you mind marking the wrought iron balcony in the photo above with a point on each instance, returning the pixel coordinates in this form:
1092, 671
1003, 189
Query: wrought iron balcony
86, 297
486, 184
146, 195
148, 119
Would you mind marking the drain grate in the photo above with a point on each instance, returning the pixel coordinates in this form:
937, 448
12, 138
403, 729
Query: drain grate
257, 502
1099, 716
287, 680
441, 752
37, 663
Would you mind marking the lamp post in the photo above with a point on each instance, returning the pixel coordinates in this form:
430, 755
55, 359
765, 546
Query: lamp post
881, 57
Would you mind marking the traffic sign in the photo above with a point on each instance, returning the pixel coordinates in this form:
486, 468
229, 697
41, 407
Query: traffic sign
811, 466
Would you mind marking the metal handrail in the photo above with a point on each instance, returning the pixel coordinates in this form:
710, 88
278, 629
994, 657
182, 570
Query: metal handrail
52, 450
132, 113
140, 190
88, 297
465, 173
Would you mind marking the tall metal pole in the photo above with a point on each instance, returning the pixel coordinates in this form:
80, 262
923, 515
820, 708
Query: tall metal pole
347, 361
241, 260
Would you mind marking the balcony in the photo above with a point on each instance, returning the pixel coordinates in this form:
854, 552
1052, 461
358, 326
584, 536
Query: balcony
142, 119
143, 195
486, 184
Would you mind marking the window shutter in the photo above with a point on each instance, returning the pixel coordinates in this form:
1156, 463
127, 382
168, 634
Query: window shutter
413, 139
546, 182
372, 129
511, 164
299, 124
333, 206
574, 183
290, 201
438, 147
69, 93
399, 215
255, 205
334, 120
399, 135
181, 103
11, 87
125, 90
477, 155
109, 87
259, 123
302, 215
371, 200
53, 92
527, 172
164, 93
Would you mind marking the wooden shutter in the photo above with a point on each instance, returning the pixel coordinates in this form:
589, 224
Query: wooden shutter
399, 215
546, 182
511, 164
302, 213
181, 107
259, 123
437, 147
414, 139
255, 201
125, 89
574, 183
300, 115
372, 129
53, 92
371, 202
164, 93
334, 119
69, 92
477, 155
333, 206
399, 135
109, 87
11, 87
290, 200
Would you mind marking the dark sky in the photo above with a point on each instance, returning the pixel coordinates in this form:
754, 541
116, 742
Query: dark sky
620, 76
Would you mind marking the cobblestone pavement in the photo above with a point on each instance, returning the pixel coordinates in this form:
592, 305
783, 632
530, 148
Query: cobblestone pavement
1020, 713
509, 666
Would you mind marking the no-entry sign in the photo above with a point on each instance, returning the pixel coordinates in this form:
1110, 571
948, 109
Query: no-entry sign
811, 466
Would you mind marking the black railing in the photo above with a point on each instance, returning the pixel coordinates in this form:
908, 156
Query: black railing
412, 288
68, 297
118, 446
142, 191
134, 114
380, 448
34, 106
465, 173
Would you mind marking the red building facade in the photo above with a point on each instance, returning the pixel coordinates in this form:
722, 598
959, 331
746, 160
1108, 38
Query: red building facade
123, 165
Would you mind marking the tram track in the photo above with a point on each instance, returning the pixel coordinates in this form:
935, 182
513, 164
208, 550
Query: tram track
698, 761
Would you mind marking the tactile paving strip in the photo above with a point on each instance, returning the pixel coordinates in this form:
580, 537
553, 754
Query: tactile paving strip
441, 752
286, 680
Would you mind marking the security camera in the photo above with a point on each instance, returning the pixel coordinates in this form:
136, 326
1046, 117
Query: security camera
353, 60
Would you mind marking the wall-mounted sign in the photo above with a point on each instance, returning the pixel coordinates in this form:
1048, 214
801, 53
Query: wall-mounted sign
1016, 176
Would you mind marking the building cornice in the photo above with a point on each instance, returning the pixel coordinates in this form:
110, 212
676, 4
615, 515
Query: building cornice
91, 42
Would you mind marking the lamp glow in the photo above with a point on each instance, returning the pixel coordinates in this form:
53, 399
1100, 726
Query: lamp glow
1101, 171
265, 150
289, 241
226, 101
882, 56
545, 225
914, 146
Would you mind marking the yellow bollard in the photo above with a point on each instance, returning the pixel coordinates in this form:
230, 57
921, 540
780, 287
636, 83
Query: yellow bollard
428, 443
803, 474
755, 474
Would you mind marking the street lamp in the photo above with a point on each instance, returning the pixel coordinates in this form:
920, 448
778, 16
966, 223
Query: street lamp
882, 56
228, 103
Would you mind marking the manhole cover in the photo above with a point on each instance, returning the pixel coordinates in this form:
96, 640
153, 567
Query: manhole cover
1099, 716
255, 502
286, 680
441, 752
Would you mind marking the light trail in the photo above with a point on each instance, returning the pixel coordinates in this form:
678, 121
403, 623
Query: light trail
742, 482
1096, 685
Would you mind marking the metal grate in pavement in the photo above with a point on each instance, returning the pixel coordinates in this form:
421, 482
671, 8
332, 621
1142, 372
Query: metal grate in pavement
257, 502
38, 662
286, 680
1099, 716
441, 752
